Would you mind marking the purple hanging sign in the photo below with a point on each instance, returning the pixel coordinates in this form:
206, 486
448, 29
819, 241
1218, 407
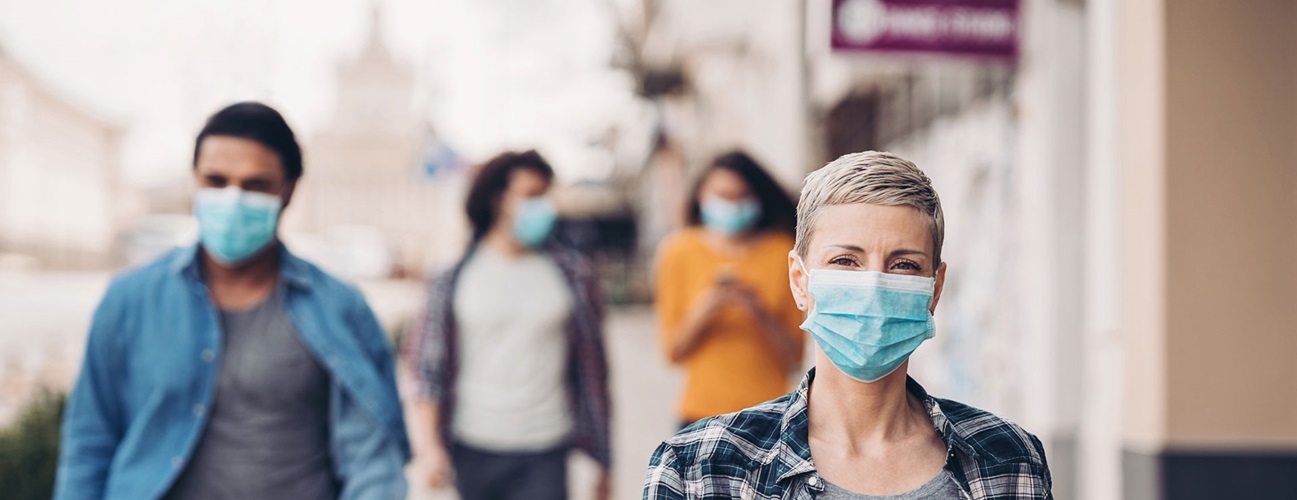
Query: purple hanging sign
985, 29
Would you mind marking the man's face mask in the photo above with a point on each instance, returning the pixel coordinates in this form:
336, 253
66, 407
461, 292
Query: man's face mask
233, 224
535, 221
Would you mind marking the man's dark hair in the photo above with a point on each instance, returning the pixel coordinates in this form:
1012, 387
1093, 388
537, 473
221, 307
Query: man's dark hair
777, 209
490, 183
256, 122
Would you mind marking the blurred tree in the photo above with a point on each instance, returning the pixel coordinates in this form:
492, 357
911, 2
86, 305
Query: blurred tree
29, 449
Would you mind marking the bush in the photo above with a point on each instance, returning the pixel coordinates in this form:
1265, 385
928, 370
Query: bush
29, 449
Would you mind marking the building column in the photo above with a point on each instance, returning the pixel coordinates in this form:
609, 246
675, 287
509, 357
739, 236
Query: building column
1051, 187
1099, 433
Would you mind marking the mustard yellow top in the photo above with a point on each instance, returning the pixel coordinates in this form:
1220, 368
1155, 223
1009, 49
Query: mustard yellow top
734, 366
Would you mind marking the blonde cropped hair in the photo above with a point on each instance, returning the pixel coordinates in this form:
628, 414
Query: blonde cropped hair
869, 177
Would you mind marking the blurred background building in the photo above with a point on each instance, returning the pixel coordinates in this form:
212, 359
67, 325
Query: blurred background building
60, 185
383, 196
1119, 180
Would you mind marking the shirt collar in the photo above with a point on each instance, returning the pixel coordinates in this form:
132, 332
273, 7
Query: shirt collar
293, 271
794, 450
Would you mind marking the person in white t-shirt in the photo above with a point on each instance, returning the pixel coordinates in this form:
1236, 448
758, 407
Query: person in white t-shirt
508, 355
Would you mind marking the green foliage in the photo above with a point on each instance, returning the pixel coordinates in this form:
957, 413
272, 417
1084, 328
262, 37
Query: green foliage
29, 449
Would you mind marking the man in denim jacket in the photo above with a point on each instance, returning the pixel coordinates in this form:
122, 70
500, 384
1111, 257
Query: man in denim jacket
233, 369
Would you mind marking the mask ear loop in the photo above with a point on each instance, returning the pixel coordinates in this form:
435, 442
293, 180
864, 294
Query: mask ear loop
802, 264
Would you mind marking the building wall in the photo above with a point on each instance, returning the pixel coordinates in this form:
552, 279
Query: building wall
58, 176
745, 81
1210, 171
1231, 171
1011, 169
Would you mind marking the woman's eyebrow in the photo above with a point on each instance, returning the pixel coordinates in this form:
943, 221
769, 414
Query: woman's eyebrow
894, 253
906, 251
851, 248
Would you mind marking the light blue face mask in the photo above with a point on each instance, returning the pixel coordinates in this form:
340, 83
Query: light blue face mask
534, 222
730, 217
868, 323
233, 224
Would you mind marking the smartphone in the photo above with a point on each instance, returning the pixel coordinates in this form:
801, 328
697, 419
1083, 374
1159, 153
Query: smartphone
726, 276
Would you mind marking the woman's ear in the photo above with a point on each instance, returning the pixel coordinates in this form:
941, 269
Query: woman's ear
941, 284
797, 280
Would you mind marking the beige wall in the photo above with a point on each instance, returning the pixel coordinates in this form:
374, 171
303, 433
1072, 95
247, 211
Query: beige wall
1232, 164
1209, 112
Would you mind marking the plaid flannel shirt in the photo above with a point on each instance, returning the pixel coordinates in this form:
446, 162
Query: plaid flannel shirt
433, 352
763, 453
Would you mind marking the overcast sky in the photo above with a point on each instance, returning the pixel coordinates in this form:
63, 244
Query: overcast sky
489, 73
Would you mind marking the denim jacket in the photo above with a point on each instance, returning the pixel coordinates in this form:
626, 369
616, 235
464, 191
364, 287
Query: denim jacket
149, 377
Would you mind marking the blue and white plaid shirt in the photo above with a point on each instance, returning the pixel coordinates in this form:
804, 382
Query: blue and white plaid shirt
763, 453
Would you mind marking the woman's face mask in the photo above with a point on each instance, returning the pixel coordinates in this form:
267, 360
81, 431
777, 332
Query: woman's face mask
868, 323
730, 217
875, 285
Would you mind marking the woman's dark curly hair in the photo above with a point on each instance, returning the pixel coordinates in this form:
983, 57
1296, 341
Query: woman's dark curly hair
490, 183
777, 209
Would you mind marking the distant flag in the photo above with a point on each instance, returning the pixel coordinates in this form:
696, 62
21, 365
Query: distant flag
439, 159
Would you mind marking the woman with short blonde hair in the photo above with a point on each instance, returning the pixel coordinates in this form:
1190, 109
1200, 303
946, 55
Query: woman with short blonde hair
867, 267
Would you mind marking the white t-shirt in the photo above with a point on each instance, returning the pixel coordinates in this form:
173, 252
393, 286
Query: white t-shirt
511, 314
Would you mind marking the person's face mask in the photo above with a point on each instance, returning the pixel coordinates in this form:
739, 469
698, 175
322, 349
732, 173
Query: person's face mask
534, 221
868, 323
730, 217
233, 224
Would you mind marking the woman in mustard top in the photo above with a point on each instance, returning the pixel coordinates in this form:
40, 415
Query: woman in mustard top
723, 303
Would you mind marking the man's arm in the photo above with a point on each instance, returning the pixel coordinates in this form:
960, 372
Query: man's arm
428, 355
375, 453
431, 454
93, 420
597, 373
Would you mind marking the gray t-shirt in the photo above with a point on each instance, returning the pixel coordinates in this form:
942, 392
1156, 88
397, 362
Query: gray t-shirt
268, 432
512, 314
940, 487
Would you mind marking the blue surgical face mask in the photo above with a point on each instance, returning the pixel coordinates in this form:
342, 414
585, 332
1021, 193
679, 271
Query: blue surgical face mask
868, 323
233, 224
534, 221
730, 218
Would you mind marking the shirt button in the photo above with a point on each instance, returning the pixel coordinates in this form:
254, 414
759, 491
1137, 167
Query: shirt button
208, 355
814, 481
198, 410
177, 461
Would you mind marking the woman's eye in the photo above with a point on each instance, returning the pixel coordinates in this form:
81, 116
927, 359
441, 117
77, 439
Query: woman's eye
843, 261
905, 265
